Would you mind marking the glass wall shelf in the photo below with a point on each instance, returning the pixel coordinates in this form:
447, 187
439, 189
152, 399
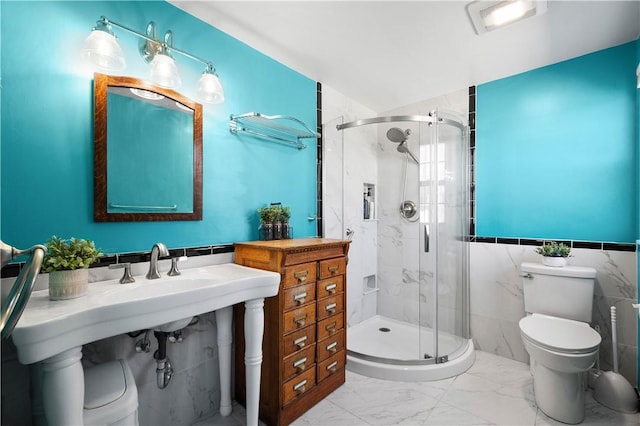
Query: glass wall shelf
276, 128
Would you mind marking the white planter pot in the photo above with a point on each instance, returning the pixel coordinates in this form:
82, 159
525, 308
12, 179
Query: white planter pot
68, 284
554, 261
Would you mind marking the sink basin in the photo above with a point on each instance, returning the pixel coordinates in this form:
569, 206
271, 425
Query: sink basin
173, 325
47, 327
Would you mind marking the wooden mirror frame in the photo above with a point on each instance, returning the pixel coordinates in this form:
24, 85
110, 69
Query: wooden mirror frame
101, 85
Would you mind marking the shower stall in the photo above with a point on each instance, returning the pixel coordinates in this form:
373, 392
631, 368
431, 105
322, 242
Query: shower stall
408, 217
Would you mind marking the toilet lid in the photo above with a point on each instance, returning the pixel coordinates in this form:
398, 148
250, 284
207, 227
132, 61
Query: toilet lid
559, 334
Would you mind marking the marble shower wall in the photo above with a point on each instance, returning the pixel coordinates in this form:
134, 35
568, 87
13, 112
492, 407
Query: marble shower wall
497, 302
399, 240
350, 161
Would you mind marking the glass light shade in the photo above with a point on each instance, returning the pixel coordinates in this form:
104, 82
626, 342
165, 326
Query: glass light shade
210, 89
102, 50
164, 72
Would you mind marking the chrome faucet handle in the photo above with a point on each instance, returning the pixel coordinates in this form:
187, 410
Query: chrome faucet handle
174, 265
127, 277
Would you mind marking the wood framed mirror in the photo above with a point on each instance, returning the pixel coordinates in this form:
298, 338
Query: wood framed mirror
147, 152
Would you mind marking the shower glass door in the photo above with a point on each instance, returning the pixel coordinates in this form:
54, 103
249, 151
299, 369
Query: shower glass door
444, 222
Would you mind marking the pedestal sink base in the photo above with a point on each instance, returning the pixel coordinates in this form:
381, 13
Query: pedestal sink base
52, 334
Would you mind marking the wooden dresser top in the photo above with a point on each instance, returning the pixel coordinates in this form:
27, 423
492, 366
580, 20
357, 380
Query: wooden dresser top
292, 244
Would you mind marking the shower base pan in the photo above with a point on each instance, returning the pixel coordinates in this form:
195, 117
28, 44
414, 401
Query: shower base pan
388, 349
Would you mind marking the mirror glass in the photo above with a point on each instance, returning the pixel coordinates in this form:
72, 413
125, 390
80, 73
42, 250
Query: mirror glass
148, 152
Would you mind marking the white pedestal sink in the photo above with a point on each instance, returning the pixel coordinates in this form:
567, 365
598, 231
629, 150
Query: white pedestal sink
53, 332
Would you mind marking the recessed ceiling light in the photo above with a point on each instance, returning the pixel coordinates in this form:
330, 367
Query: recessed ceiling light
491, 15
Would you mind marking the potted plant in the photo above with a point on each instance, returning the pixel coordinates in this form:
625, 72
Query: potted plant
266, 223
67, 262
285, 215
277, 221
554, 254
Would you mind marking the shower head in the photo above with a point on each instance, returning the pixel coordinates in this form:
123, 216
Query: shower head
397, 135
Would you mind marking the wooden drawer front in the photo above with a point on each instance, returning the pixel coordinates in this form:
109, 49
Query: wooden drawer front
299, 318
299, 295
331, 286
299, 274
329, 306
299, 385
331, 366
298, 340
330, 326
332, 267
299, 362
331, 346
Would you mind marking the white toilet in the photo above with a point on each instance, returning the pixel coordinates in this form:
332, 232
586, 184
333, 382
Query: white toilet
557, 336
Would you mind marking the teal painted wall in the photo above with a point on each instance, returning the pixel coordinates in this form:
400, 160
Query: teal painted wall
47, 129
556, 151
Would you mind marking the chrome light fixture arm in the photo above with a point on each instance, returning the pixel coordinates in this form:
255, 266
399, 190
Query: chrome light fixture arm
152, 45
155, 51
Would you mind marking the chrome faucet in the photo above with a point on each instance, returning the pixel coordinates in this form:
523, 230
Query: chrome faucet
158, 249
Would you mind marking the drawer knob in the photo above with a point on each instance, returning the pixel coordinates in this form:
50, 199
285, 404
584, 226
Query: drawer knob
300, 320
331, 288
332, 367
301, 276
331, 307
300, 387
300, 342
300, 297
332, 347
334, 268
331, 327
299, 365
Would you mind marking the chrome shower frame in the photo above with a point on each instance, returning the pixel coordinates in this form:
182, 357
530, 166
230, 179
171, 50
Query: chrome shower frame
395, 118
432, 118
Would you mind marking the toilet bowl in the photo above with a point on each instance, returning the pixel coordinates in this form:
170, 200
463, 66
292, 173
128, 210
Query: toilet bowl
110, 395
560, 350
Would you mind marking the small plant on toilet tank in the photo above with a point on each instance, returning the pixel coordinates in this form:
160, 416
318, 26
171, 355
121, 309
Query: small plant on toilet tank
554, 254
67, 262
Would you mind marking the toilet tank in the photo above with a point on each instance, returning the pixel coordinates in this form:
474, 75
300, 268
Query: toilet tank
565, 292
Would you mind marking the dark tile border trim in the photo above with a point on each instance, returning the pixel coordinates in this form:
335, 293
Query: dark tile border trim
13, 269
319, 164
593, 245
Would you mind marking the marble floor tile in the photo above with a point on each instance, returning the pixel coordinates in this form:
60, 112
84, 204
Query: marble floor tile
444, 414
494, 391
595, 415
325, 413
496, 403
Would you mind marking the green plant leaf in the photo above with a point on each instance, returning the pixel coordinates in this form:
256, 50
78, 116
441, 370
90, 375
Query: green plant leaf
74, 253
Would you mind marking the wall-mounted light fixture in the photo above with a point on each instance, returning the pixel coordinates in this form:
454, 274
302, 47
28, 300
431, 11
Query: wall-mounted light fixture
491, 15
101, 48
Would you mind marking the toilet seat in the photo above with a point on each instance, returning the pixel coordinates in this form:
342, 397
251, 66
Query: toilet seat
559, 334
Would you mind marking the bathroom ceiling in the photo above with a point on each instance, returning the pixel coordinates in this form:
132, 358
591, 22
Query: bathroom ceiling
385, 54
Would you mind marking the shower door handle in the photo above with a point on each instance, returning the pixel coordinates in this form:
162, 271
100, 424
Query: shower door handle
426, 238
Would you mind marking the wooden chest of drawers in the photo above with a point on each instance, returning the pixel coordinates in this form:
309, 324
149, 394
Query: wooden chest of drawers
304, 346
